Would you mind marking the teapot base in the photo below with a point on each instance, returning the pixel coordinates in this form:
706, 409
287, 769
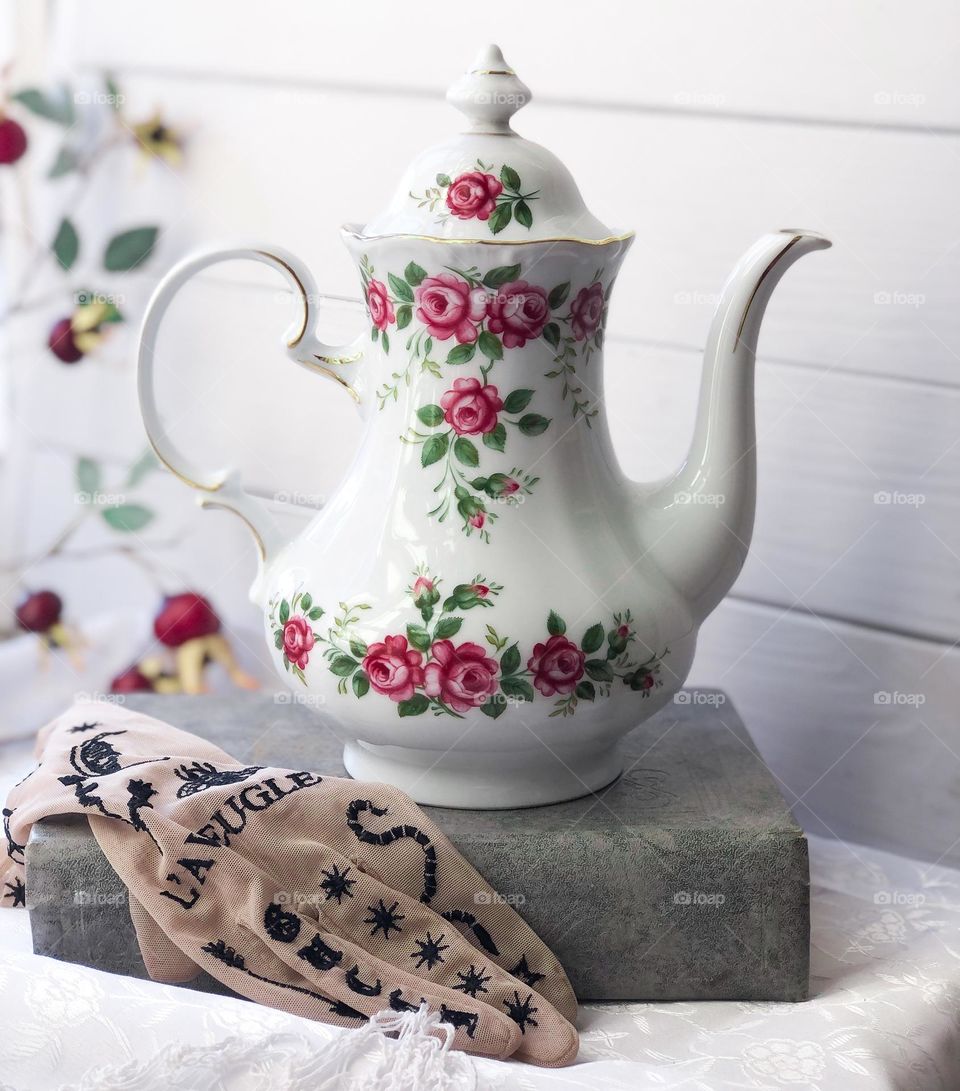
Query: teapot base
485, 781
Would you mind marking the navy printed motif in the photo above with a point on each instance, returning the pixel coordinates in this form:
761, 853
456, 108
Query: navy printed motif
336, 884
141, 792
229, 957
353, 982
460, 1020
397, 1003
473, 981
18, 892
202, 775
461, 916
396, 833
383, 918
521, 1011
320, 955
13, 849
429, 951
281, 925
525, 974
83, 727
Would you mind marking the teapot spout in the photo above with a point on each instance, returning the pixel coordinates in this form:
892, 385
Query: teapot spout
697, 525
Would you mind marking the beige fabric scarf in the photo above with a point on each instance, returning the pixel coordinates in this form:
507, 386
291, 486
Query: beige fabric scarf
331, 898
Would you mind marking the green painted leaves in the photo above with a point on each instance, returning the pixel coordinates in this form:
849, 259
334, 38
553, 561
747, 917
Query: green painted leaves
430, 415
502, 274
66, 244
56, 106
517, 400
434, 449
466, 452
129, 249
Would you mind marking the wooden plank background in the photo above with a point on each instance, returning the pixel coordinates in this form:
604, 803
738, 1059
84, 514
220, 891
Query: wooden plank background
700, 125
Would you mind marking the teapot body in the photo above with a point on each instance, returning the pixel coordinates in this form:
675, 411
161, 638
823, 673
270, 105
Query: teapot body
471, 611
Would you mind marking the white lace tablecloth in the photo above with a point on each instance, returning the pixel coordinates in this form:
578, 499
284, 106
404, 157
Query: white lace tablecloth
884, 1012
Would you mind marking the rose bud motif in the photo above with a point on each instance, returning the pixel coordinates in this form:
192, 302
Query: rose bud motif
378, 302
394, 668
477, 520
473, 195
13, 141
39, 611
462, 677
501, 485
424, 592
62, 344
557, 666
518, 312
480, 590
586, 311
471, 408
132, 680
298, 640
449, 307
184, 617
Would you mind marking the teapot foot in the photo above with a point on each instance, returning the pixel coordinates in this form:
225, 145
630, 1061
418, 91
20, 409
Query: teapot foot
485, 781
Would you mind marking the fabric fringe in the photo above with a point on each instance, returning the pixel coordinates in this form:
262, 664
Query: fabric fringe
394, 1051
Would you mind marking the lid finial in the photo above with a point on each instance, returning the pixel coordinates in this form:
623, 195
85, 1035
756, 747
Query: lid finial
490, 93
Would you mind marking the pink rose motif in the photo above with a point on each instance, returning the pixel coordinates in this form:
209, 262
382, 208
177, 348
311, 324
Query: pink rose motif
480, 590
462, 677
298, 640
381, 309
473, 195
477, 520
393, 668
422, 587
586, 311
447, 306
557, 666
519, 311
471, 408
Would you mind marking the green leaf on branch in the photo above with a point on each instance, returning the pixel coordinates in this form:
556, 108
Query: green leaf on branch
523, 215
434, 449
416, 706
556, 626
551, 334
502, 274
448, 627
430, 415
586, 691
415, 274
443, 180
284, 612
500, 217
490, 346
56, 107
401, 289
533, 424
316, 613
462, 354
127, 517
466, 452
66, 244
510, 178
88, 477
128, 249
600, 670
497, 438
66, 161
385, 341
418, 637
592, 638
510, 662
493, 707
361, 684
404, 315
306, 601
343, 666
144, 465
358, 648
558, 296
517, 401
519, 688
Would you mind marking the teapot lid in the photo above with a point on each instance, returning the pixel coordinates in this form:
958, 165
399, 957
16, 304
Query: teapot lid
488, 184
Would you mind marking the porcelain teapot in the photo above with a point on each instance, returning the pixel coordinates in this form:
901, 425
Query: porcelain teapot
487, 605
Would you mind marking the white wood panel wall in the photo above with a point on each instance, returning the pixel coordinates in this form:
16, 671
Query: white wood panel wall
702, 125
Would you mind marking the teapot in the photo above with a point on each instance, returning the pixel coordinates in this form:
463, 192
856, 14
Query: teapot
487, 604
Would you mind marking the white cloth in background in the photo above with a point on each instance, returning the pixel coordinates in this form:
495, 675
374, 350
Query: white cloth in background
884, 1016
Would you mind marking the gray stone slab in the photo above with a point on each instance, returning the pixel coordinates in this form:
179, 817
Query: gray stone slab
687, 878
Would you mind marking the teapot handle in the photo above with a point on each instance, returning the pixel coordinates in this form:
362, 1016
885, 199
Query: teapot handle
223, 487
